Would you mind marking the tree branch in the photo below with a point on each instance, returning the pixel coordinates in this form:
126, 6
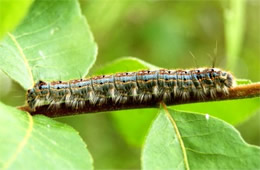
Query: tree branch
238, 92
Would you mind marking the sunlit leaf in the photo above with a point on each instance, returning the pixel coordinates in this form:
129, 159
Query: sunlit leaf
39, 143
53, 42
232, 111
180, 140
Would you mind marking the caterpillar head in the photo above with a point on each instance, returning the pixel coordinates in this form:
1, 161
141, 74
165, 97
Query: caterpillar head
227, 78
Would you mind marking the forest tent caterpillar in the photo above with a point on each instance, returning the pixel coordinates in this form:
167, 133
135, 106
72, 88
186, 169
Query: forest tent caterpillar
139, 87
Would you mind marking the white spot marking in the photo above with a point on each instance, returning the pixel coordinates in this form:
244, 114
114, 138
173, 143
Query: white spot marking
42, 55
207, 116
53, 30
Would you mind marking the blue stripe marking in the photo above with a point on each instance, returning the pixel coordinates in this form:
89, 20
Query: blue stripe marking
47, 86
126, 78
166, 76
83, 83
103, 80
147, 77
202, 75
86, 83
56, 86
79, 84
215, 74
111, 80
151, 76
123, 79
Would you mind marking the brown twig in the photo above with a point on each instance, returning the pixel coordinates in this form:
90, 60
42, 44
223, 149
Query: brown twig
239, 92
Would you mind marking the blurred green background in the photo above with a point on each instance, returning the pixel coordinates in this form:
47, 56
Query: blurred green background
163, 33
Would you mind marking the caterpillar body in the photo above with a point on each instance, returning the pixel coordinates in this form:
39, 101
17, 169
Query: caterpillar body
139, 87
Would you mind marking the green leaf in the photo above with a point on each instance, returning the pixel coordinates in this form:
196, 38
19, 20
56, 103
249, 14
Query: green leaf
231, 111
53, 42
125, 64
208, 143
39, 142
11, 13
131, 124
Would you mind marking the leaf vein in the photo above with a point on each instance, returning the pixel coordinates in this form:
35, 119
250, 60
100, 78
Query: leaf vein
22, 143
46, 42
185, 158
199, 135
36, 31
210, 154
23, 56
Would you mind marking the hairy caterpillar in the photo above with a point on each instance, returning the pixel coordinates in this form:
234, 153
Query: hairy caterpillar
139, 87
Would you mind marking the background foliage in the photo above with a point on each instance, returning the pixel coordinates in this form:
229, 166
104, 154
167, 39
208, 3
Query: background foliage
162, 33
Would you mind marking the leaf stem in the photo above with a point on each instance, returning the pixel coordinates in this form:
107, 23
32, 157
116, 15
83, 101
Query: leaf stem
238, 92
